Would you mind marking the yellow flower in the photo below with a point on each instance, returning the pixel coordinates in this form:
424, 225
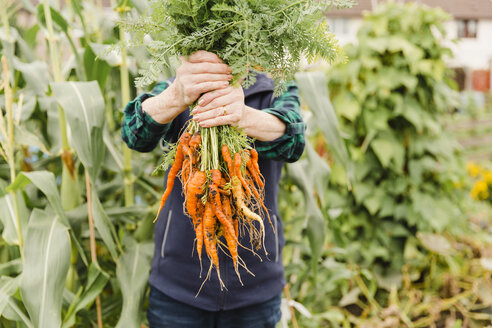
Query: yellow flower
487, 177
480, 190
473, 169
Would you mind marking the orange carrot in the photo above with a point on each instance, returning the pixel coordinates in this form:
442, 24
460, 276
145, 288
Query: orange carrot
226, 205
237, 191
237, 172
214, 197
175, 168
195, 141
254, 157
217, 207
216, 177
226, 155
194, 192
186, 171
209, 225
187, 151
254, 162
198, 225
226, 224
254, 174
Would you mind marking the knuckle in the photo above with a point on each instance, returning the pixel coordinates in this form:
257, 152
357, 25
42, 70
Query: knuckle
208, 99
225, 120
203, 100
181, 69
215, 103
202, 88
188, 89
221, 84
185, 80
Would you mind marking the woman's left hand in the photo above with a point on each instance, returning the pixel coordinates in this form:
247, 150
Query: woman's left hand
220, 107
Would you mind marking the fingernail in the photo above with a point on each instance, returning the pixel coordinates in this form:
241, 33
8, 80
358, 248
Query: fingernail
226, 83
200, 102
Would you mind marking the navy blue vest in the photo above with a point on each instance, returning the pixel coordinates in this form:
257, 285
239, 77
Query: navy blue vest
175, 267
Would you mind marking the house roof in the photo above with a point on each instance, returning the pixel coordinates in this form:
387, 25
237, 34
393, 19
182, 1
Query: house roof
461, 9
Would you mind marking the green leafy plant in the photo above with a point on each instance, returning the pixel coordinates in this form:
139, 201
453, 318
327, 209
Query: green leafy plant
46, 238
400, 250
249, 35
391, 97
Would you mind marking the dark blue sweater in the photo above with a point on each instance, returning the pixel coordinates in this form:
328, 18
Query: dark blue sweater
175, 267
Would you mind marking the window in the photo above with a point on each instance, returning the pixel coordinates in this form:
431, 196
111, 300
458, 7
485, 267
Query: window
339, 26
467, 28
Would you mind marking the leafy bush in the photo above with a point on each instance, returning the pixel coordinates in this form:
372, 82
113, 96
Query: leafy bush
390, 98
400, 250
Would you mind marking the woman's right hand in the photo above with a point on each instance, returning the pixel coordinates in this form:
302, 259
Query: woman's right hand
201, 73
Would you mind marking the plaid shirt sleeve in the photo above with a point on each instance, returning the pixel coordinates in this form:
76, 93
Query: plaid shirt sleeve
290, 146
138, 130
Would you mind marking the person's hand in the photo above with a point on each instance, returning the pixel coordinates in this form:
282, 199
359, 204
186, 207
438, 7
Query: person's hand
202, 72
220, 107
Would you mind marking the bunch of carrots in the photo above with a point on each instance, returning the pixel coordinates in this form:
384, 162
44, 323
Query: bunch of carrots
223, 187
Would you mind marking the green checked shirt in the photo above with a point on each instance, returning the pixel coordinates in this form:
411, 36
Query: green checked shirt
140, 132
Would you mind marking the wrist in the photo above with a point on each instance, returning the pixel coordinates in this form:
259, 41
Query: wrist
172, 99
164, 107
246, 121
261, 125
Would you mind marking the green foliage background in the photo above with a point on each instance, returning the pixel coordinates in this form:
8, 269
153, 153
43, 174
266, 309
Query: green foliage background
391, 97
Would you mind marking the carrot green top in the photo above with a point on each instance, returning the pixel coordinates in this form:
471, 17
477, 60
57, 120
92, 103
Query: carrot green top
269, 36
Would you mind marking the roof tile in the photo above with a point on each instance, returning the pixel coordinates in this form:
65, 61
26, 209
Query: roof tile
461, 9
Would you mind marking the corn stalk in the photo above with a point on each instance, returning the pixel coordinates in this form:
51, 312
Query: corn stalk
125, 98
7, 145
5, 21
92, 241
69, 178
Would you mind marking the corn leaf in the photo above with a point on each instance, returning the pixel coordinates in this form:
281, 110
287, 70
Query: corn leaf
44, 181
304, 174
314, 91
132, 273
84, 107
36, 75
96, 281
9, 305
8, 286
8, 217
47, 258
105, 227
